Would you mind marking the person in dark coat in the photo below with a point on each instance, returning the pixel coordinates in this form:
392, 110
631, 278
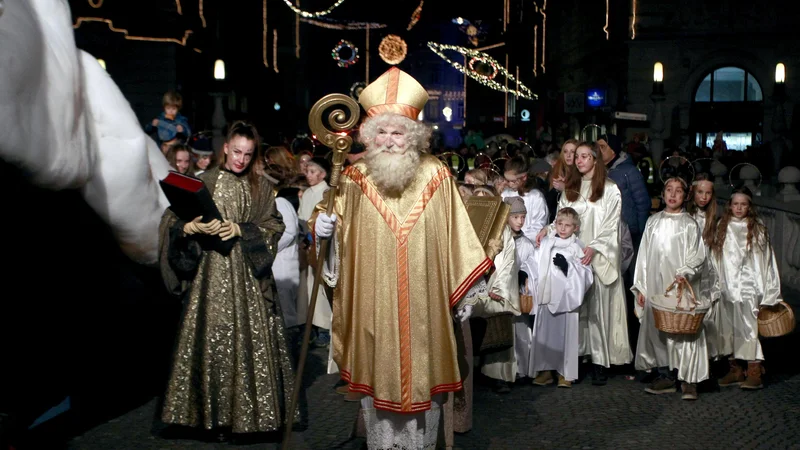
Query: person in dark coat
636, 201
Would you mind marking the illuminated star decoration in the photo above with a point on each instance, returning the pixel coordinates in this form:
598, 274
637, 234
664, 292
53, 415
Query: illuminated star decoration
486, 80
342, 62
473, 30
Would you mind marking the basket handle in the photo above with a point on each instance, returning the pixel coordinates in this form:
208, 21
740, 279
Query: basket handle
693, 299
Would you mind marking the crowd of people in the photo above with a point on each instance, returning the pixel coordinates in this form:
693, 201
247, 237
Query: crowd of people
582, 269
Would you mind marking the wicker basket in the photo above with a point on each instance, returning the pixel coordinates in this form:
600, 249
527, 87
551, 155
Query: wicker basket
525, 301
678, 320
776, 321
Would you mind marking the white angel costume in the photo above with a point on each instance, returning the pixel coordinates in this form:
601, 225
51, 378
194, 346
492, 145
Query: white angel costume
286, 267
603, 318
671, 246
709, 291
523, 325
555, 332
504, 282
749, 278
536, 207
322, 312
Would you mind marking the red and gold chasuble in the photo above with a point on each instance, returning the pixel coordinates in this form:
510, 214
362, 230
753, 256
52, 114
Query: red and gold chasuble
403, 264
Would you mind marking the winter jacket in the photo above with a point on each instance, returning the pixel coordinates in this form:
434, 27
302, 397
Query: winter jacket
635, 198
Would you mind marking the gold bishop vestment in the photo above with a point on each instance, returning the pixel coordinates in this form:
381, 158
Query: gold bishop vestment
403, 263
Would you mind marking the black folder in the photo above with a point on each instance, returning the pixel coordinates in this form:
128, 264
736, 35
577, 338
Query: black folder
189, 197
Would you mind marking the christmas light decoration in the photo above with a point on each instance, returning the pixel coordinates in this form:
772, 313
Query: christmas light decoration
96, 4
264, 33
605, 28
178, 5
522, 92
332, 24
535, 48
275, 49
415, 16
392, 49
200, 12
633, 20
341, 62
307, 14
81, 20
544, 32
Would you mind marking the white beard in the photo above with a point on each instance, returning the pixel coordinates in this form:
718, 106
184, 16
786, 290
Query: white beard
392, 172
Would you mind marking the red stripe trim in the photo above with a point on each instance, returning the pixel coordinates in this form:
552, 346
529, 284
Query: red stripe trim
466, 284
387, 405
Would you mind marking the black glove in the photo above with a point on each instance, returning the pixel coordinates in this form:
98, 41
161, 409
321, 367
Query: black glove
561, 262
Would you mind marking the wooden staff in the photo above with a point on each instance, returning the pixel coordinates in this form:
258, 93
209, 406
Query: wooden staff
339, 143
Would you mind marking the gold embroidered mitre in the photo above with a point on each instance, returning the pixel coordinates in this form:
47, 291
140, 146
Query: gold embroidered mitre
394, 92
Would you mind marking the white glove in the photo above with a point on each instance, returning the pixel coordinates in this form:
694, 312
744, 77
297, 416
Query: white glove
464, 313
324, 225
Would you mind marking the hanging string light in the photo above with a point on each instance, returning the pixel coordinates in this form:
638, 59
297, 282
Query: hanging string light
605, 28
178, 5
200, 12
96, 4
332, 24
264, 33
535, 48
544, 33
307, 14
81, 20
522, 91
275, 49
633, 21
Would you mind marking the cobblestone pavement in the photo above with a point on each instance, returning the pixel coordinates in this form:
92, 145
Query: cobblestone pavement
617, 416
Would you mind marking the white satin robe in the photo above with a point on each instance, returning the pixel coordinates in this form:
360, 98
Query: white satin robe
504, 282
322, 313
709, 291
749, 279
671, 245
523, 325
603, 318
555, 332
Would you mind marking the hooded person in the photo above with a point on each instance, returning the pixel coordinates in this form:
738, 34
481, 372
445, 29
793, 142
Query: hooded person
405, 260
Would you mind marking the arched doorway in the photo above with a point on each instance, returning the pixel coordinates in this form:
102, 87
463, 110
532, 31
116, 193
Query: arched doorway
728, 99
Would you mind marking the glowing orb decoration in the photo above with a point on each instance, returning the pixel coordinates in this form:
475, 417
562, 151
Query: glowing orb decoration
393, 49
356, 88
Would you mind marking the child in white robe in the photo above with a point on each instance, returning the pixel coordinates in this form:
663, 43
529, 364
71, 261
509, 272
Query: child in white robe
672, 249
749, 277
562, 284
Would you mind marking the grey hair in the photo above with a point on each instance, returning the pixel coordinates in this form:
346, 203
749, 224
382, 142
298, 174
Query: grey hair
417, 133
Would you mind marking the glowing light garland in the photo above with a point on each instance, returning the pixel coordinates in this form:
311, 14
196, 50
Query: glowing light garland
522, 92
535, 48
341, 62
544, 32
605, 28
633, 21
178, 5
307, 14
415, 16
96, 4
264, 33
126, 35
275, 49
200, 12
332, 24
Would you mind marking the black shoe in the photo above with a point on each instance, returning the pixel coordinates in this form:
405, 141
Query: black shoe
599, 377
647, 377
501, 387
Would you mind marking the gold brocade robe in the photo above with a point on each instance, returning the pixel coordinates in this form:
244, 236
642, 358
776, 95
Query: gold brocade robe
232, 365
401, 264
